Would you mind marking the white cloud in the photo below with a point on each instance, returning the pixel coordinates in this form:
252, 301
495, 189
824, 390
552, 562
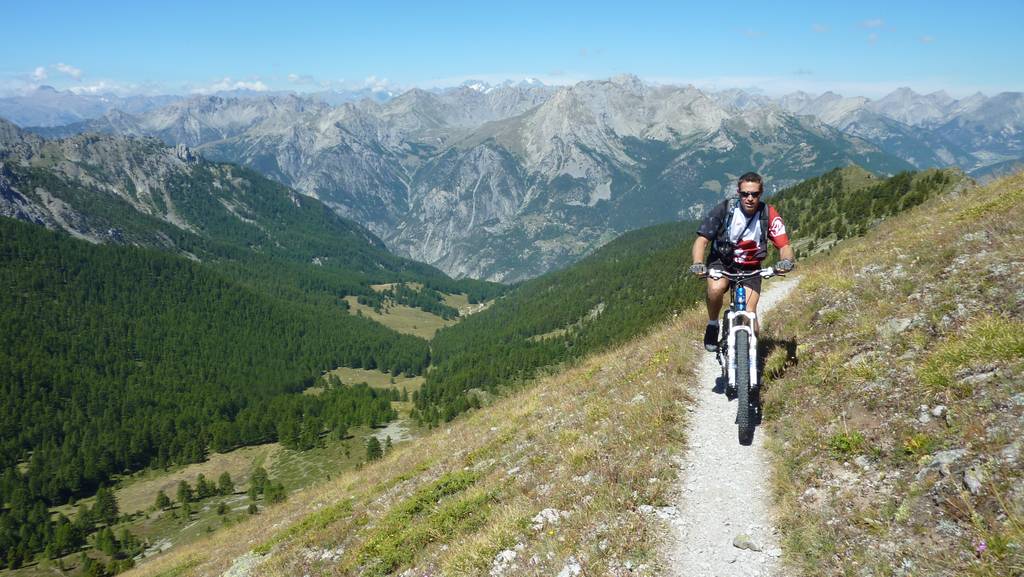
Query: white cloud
816, 84
227, 83
301, 79
553, 78
39, 74
751, 33
820, 28
104, 87
873, 38
378, 84
926, 39
872, 23
70, 70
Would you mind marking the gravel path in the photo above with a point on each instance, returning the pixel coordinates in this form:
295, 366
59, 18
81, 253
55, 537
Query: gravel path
723, 485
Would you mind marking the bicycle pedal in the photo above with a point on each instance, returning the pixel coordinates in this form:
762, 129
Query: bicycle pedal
730, 393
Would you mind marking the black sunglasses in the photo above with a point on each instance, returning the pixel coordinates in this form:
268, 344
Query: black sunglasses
746, 194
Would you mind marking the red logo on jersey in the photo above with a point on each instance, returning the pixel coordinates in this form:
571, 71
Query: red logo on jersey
777, 228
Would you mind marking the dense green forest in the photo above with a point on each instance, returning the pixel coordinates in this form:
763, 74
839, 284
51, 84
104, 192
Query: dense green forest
115, 358
616, 293
424, 298
847, 201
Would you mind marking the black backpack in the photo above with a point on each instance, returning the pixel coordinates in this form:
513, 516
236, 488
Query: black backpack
723, 246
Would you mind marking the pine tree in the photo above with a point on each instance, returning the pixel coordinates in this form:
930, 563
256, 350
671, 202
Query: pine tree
225, 486
204, 488
105, 541
162, 500
275, 493
105, 508
184, 492
373, 449
258, 479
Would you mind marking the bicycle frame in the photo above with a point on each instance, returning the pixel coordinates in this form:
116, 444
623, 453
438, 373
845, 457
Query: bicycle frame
744, 386
741, 321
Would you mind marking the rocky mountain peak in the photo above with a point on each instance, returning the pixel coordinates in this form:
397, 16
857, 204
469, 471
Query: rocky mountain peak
629, 82
10, 134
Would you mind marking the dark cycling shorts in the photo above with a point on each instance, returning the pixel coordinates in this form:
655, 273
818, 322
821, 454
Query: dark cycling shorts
753, 283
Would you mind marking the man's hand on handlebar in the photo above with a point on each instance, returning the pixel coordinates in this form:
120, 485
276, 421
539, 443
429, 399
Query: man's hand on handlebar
783, 266
699, 270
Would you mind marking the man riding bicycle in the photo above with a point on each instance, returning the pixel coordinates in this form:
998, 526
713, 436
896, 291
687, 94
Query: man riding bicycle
738, 230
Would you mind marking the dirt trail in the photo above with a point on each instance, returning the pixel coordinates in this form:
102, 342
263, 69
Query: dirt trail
724, 486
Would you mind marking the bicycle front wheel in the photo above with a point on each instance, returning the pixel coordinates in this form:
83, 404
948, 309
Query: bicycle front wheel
744, 418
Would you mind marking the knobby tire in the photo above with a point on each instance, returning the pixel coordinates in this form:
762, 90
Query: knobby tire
744, 419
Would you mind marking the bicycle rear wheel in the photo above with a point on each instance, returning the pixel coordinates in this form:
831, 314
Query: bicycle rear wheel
744, 418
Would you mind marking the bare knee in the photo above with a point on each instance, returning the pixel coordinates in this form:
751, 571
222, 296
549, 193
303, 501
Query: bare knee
717, 287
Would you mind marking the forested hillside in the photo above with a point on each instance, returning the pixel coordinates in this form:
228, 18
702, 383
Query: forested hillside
616, 293
848, 201
205, 300
115, 358
137, 192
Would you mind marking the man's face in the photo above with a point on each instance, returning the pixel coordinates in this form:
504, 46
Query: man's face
749, 193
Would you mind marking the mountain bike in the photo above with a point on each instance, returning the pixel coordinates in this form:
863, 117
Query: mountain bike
737, 351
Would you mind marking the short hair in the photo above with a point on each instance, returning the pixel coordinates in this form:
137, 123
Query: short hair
751, 177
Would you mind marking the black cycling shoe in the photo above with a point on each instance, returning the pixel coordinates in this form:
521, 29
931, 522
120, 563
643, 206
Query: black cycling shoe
711, 338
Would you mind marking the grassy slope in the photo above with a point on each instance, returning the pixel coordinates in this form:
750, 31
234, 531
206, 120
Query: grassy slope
404, 319
925, 310
168, 530
595, 440
377, 379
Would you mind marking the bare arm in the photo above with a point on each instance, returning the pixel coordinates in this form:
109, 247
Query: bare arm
786, 253
699, 245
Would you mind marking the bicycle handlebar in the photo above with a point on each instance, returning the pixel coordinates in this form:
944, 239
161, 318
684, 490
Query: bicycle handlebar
763, 273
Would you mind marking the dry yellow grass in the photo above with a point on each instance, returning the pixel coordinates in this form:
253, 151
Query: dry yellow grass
923, 311
595, 440
138, 492
377, 379
402, 318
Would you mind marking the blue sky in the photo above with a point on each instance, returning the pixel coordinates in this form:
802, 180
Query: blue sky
863, 48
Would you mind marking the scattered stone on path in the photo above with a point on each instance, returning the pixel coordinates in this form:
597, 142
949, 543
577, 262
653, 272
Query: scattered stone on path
744, 541
548, 517
973, 477
893, 327
1011, 452
572, 568
941, 462
502, 561
923, 415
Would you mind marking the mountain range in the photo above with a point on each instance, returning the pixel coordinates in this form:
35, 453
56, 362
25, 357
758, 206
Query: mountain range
509, 181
